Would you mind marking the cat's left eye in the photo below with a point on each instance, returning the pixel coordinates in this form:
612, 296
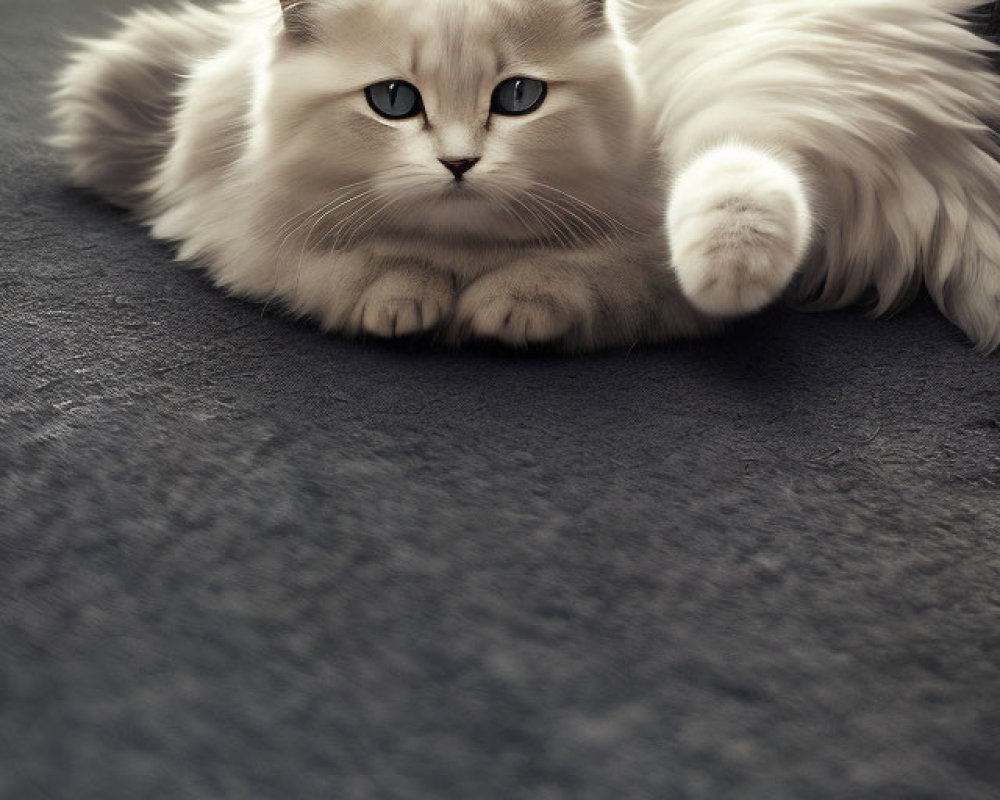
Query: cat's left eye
518, 96
394, 99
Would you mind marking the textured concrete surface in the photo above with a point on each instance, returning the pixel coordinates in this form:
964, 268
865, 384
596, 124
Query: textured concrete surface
240, 559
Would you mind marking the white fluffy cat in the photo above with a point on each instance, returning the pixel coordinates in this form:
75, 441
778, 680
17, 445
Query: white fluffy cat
555, 171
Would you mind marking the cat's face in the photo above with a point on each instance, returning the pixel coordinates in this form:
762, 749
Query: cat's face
482, 119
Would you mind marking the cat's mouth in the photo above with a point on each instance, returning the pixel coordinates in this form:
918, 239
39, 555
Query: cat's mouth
461, 190
460, 210
463, 200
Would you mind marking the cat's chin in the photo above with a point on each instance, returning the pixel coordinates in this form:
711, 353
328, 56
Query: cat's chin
459, 212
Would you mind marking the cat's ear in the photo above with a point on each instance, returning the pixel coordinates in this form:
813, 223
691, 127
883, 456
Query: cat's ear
296, 16
595, 11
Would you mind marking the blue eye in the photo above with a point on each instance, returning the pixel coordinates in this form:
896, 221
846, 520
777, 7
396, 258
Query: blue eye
394, 99
518, 96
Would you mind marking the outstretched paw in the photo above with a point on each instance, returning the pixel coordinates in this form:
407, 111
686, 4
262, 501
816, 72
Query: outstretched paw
739, 226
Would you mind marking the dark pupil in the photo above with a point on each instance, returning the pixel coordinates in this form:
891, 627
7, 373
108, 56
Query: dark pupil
394, 99
518, 96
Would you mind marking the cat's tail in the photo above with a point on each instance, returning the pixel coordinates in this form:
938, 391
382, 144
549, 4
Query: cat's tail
964, 276
985, 22
965, 279
114, 103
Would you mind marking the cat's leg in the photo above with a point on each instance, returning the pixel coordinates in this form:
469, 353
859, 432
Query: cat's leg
739, 225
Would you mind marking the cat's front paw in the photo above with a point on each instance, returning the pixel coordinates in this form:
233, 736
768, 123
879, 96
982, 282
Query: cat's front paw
399, 304
524, 306
739, 226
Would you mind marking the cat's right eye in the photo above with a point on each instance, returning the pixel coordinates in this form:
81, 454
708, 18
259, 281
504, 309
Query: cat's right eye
394, 99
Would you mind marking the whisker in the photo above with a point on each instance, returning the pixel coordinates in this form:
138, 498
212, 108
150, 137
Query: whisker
545, 223
576, 223
323, 212
330, 209
617, 223
341, 191
312, 230
364, 191
347, 232
368, 223
552, 223
345, 226
503, 198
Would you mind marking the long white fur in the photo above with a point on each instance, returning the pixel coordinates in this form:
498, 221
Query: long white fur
695, 160
879, 108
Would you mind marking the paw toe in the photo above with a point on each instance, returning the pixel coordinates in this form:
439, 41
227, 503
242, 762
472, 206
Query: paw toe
388, 310
520, 321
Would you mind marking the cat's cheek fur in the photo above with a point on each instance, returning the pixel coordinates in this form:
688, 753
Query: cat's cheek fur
739, 225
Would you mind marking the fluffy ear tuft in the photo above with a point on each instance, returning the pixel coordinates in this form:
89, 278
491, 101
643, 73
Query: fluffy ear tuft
296, 14
595, 11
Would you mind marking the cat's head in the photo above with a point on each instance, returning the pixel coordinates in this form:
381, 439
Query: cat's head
505, 119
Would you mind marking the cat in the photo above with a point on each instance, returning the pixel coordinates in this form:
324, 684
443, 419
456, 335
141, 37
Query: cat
574, 173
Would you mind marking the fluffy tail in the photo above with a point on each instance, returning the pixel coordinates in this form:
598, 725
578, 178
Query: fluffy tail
115, 101
985, 21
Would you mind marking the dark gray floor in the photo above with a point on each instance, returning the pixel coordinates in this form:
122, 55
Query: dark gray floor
240, 559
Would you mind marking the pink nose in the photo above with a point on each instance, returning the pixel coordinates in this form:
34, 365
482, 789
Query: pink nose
459, 166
